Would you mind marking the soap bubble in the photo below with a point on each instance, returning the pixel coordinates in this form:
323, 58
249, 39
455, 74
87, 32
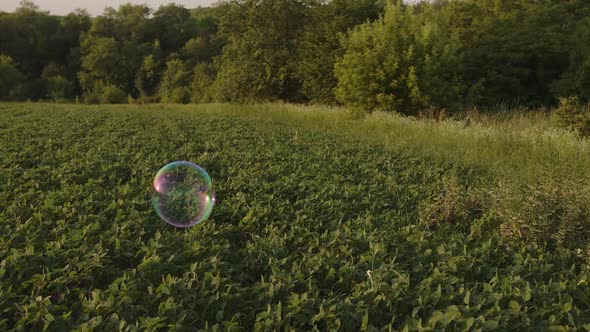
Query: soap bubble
183, 194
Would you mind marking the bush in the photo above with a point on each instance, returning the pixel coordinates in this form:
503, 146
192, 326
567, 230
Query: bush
91, 96
179, 95
105, 94
355, 113
52, 70
175, 82
454, 204
113, 95
201, 85
403, 62
147, 79
10, 76
35, 89
59, 88
572, 114
552, 211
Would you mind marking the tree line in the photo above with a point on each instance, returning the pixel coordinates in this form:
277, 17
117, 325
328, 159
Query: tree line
366, 54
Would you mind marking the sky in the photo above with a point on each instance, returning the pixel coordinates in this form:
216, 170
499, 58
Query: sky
96, 7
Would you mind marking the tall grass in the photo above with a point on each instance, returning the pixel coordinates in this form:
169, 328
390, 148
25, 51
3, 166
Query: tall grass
521, 147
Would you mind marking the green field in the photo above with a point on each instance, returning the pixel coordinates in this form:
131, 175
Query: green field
321, 222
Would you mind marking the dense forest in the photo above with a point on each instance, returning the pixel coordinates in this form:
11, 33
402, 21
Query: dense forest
366, 54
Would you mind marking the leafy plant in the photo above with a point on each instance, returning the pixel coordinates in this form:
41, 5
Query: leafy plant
399, 63
321, 223
175, 82
573, 115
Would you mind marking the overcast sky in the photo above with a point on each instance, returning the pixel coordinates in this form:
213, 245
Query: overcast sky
96, 7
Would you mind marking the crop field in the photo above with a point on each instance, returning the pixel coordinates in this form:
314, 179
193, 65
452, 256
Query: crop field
321, 222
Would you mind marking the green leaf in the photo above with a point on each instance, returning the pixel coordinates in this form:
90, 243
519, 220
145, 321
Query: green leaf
515, 306
466, 297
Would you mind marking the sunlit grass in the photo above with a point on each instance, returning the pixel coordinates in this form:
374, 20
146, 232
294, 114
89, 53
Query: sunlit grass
521, 147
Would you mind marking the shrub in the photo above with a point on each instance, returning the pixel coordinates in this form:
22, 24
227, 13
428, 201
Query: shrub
10, 76
113, 95
59, 88
179, 95
147, 79
201, 85
551, 211
175, 82
91, 96
454, 204
105, 94
403, 63
35, 89
573, 115
52, 70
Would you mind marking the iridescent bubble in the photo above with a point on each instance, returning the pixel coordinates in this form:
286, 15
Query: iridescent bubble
183, 194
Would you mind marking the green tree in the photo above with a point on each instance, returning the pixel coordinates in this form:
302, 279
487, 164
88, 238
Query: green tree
53, 69
575, 81
10, 76
206, 42
128, 22
101, 62
29, 37
59, 88
174, 26
402, 62
319, 47
174, 87
201, 85
148, 77
257, 62
115, 47
514, 51
200, 49
74, 28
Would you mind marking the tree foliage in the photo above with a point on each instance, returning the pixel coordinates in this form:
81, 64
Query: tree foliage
574, 115
174, 87
398, 63
257, 62
149, 73
575, 81
10, 76
431, 54
320, 47
203, 76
